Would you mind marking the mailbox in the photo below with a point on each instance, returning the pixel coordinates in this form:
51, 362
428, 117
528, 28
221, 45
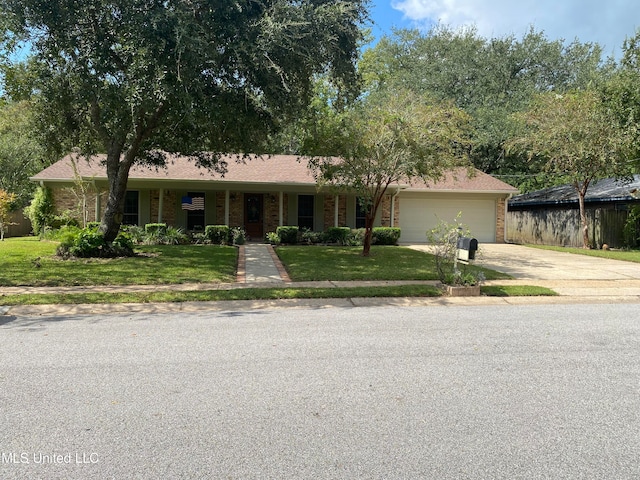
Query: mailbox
467, 248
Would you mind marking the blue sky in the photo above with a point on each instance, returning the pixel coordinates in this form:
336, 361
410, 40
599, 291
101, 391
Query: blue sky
607, 22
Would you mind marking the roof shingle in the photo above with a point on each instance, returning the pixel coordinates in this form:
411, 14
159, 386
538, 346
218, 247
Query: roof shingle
275, 169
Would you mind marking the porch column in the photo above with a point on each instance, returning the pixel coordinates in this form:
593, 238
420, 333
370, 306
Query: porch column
281, 209
97, 213
393, 209
226, 207
160, 204
336, 211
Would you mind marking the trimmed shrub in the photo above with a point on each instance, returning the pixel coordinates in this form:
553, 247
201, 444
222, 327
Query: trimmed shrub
386, 235
288, 234
217, 234
153, 228
337, 235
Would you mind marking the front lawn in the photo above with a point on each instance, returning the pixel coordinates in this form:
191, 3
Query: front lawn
316, 263
29, 261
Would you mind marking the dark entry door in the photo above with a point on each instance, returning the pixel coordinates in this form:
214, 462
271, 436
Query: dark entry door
253, 215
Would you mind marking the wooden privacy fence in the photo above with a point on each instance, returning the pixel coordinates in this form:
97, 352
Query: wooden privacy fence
562, 227
22, 227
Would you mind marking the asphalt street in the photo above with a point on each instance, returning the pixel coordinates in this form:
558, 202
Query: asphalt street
457, 392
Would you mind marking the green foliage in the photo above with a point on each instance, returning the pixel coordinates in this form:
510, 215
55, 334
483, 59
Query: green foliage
65, 218
155, 228
387, 138
177, 76
217, 234
386, 235
337, 235
489, 78
238, 236
631, 228
89, 243
444, 239
6, 206
94, 225
288, 234
572, 135
41, 210
273, 238
135, 232
21, 155
356, 237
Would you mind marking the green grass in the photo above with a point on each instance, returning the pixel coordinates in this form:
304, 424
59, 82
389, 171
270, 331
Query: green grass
29, 261
319, 263
259, 294
221, 295
625, 255
516, 291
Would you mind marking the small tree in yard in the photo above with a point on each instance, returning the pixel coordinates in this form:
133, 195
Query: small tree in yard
387, 139
574, 136
6, 206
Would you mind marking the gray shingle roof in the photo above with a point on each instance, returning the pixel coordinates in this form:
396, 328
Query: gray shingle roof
605, 190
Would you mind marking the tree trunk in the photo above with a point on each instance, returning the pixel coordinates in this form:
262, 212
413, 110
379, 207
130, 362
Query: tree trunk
118, 175
583, 218
368, 233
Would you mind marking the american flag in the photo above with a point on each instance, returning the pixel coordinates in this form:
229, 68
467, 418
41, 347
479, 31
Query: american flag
195, 203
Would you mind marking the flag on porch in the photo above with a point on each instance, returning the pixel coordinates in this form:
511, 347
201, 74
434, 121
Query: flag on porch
192, 203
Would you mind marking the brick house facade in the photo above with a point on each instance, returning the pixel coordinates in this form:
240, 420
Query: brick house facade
282, 191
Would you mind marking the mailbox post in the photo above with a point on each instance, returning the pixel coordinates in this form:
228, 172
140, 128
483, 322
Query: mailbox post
466, 249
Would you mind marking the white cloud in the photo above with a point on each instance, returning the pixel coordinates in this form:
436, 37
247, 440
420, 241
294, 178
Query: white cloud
606, 22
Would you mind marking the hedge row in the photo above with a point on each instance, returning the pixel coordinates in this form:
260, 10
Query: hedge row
339, 235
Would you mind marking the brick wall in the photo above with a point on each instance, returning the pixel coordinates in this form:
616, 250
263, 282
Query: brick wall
168, 206
385, 208
64, 199
329, 213
272, 211
500, 220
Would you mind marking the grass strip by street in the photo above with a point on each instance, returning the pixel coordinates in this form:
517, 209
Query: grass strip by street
221, 295
516, 291
410, 291
624, 255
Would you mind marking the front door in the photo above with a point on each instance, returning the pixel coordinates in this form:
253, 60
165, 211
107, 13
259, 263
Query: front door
253, 215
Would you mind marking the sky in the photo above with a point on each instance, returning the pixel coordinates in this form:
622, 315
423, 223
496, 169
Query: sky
607, 22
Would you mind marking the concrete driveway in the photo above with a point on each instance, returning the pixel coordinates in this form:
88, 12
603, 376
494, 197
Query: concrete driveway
534, 263
566, 273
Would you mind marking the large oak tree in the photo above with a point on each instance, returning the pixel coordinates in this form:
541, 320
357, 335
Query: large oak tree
133, 78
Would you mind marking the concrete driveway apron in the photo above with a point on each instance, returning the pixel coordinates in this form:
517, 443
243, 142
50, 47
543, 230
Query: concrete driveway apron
566, 273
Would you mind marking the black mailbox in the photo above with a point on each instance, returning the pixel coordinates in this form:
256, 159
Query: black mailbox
467, 248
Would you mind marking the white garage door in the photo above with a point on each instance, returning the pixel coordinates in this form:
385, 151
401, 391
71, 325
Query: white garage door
419, 215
